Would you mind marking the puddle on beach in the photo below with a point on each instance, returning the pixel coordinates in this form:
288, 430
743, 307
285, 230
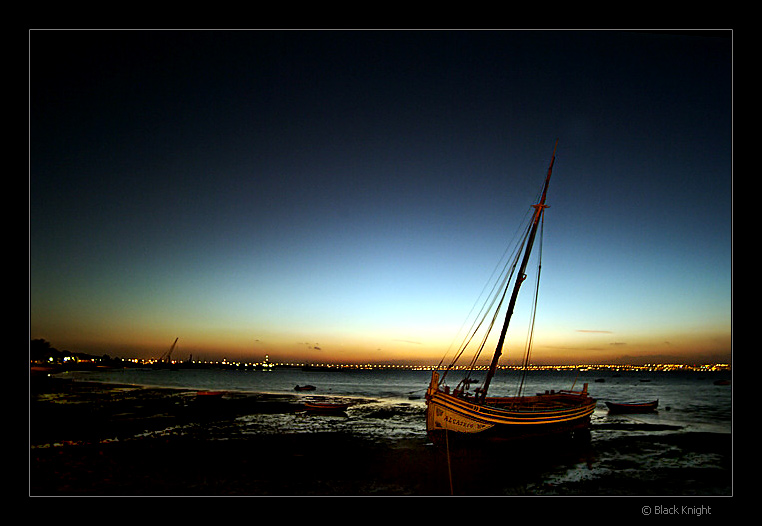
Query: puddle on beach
376, 420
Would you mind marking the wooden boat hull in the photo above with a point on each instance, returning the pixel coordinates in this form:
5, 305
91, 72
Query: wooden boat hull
326, 407
509, 417
638, 407
209, 394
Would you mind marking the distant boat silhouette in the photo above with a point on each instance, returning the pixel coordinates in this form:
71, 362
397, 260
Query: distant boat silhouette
326, 407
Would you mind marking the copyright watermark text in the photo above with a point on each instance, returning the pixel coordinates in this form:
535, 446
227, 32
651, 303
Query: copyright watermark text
677, 510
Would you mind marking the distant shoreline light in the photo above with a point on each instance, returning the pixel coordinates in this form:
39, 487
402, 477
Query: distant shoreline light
422, 367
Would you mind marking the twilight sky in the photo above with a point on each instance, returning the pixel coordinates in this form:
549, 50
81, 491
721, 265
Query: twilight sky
345, 195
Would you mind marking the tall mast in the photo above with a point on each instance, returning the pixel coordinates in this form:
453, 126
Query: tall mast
538, 211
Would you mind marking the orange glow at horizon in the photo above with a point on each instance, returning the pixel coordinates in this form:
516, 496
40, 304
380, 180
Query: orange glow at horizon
563, 349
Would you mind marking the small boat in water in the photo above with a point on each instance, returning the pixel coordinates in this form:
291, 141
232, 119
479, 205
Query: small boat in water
209, 395
632, 407
304, 388
326, 407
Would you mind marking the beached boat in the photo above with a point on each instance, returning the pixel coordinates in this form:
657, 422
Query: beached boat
632, 407
304, 388
326, 407
459, 414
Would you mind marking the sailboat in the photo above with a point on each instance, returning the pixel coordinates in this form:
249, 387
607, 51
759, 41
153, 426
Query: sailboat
460, 414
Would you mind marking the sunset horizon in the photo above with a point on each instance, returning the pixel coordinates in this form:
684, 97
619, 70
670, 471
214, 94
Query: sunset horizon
344, 195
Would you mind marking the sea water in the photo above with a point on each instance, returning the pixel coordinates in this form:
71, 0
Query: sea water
687, 399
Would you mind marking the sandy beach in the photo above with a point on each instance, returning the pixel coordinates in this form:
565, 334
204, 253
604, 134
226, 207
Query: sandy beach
91, 439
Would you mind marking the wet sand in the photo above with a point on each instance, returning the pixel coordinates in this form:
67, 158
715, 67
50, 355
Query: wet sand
94, 439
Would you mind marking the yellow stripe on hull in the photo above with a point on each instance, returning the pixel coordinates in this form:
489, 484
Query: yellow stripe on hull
447, 412
452, 413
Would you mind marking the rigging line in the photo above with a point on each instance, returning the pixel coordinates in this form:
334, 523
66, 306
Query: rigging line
517, 249
489, 330
495, 294
449, 466
504, 287
467, 339
480, 319
501, 284
530, 336
522, 275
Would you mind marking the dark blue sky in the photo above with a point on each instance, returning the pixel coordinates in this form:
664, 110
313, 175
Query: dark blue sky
276, 192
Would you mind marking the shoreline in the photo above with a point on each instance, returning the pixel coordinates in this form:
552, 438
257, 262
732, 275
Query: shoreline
91, 438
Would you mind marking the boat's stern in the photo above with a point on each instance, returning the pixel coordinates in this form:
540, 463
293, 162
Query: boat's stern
433, 385
430, 392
